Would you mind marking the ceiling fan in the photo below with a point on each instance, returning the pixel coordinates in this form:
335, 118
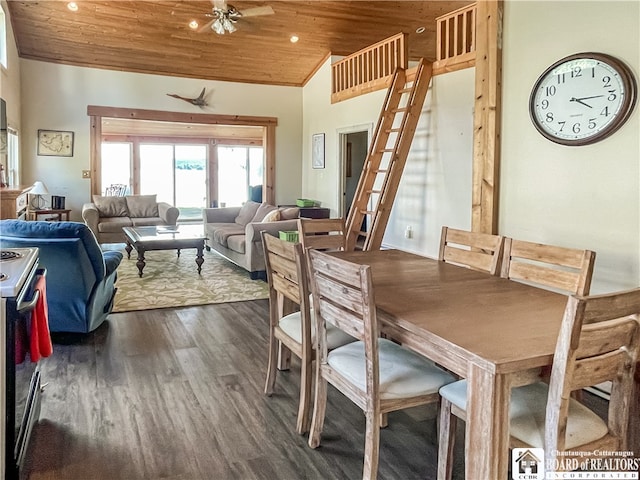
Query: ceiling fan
226, 15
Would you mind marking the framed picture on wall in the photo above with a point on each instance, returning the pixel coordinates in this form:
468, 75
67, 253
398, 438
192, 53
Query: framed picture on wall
57, 143
317, 152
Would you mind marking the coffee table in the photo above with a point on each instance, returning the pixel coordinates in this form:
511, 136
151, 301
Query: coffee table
144, 239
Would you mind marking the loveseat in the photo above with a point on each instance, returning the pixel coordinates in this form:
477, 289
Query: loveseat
106, 216
234, 232
80, 277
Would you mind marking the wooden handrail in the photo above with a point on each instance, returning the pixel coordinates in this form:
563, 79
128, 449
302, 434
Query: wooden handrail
456, 39
368, 69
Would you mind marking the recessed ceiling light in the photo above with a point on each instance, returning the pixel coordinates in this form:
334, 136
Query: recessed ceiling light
294, 39
193, 24
420, 30
73, 6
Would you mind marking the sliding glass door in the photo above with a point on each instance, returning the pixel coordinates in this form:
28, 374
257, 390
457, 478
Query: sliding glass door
177, 174
240, 175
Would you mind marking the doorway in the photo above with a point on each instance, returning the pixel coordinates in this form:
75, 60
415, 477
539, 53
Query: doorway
354, 147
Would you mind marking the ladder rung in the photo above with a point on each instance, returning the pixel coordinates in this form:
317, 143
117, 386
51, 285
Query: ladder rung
398, 110
393, 130
374, 191
386, 150
380, 170
405, 90
367, 212
363, 234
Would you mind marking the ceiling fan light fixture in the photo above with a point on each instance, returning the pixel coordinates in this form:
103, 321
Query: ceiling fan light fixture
73, 6
217, 27
228, 25
294, 39
193, 24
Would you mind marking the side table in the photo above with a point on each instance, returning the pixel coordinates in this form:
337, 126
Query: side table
312, 212
56, 212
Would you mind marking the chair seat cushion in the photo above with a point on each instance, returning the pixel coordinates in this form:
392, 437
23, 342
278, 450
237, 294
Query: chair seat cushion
292, 325
527, 415
403, 374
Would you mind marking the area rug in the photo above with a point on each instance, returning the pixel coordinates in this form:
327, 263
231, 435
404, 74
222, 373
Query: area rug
172, 281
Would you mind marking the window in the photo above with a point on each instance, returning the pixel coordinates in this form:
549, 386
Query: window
13, 157
116, 166
3, 38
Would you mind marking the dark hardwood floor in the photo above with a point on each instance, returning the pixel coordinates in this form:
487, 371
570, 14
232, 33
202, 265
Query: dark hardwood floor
178, 394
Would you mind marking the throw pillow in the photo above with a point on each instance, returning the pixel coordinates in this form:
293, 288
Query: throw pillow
272, 216
290, 213
111, 206
263, 209
142, 206
247, 212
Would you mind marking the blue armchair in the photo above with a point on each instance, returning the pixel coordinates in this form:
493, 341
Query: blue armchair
80, 277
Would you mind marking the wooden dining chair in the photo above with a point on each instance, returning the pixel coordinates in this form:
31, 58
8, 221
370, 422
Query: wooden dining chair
378, 375
598, 341
567, 270
476, 250
328, 234
291, 320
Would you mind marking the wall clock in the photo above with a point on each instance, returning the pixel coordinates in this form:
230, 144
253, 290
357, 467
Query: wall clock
582, 98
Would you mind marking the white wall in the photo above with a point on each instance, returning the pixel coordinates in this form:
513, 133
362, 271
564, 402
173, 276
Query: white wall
585, 197
10, 77
436, 186
58, 96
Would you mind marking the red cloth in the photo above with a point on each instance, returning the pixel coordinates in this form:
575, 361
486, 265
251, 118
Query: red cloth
40, 337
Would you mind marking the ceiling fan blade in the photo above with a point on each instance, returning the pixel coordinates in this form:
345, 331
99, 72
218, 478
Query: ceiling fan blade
206, 27
257, 11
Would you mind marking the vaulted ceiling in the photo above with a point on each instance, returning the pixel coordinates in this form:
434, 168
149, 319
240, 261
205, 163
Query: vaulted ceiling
154, 36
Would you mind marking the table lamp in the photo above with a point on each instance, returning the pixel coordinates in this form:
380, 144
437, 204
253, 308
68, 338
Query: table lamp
37, 190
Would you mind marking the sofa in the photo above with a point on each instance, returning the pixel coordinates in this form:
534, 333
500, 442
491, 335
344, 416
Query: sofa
106, 216
80, 276
235, 232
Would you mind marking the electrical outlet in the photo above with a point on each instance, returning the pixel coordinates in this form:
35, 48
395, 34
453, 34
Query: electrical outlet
86, 173
408, 233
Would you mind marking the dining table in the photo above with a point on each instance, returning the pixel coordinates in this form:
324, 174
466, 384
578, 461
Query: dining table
496, 333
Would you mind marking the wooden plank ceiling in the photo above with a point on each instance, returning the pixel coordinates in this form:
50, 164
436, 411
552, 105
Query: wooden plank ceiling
154, 36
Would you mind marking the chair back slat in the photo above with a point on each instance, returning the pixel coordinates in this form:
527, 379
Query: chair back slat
598, 369
616, 332
565, 269
475, 260
342, 318
324, 233
283, 266
598, 341
338, 292
479, 251
286, 287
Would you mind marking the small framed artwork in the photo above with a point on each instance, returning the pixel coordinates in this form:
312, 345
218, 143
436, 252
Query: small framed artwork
317, 152
56, 143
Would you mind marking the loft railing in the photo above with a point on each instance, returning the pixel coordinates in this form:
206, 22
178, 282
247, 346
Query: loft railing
369, 69
456, 40
372, 68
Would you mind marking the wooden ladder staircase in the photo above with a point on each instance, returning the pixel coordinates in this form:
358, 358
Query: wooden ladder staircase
387, 156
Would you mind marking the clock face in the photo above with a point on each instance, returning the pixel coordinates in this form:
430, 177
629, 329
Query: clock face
582, 98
